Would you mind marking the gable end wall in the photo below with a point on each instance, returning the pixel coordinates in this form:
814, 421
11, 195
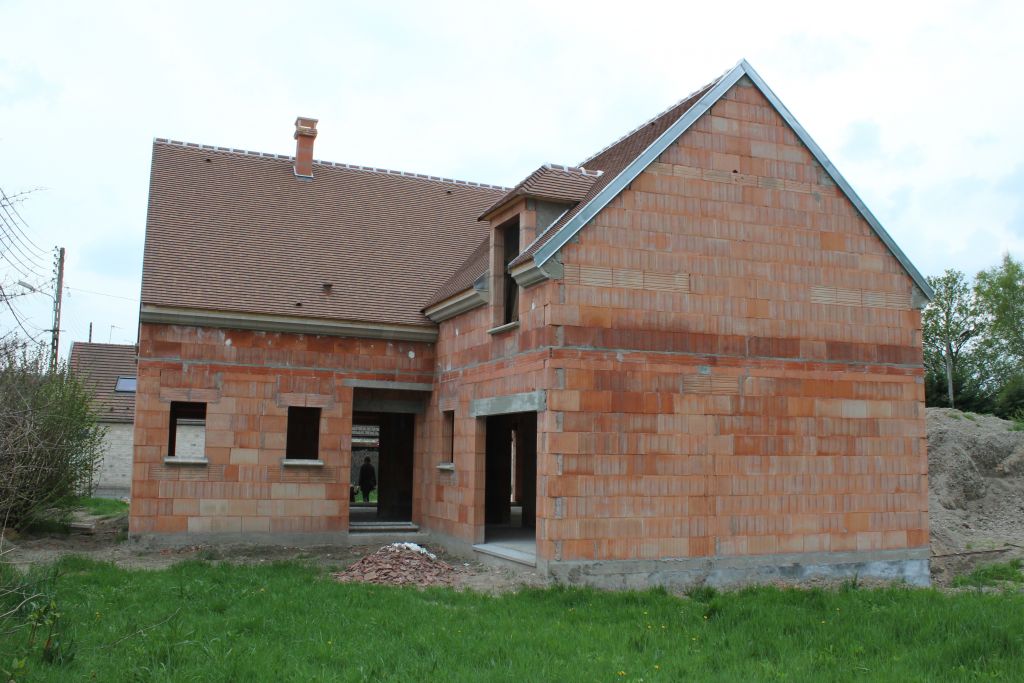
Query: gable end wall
742, 362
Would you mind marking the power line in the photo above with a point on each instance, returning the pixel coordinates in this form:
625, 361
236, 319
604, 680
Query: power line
14, 313
17, 264
112, 296
14, 246
7, 203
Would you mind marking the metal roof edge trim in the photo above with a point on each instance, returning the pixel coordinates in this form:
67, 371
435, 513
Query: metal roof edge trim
274, 323
466, 300
834, 173
629, 174
635, 167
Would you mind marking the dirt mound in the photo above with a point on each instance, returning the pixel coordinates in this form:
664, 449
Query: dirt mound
400, 564
976, 472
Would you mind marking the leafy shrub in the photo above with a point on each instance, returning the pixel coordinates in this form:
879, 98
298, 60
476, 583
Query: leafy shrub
1010, 399
50, 440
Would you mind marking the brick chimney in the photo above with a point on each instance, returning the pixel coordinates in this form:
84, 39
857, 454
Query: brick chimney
305, 134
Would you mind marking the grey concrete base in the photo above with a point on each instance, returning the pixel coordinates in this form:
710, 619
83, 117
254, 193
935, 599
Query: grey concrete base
339, 538
906, 566
493, 551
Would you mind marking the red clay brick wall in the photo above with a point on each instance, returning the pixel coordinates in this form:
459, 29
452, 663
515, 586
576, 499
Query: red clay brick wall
248, 380
473, 364
742, 363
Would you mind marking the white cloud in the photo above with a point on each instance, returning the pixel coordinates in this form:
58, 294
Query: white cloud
488, 91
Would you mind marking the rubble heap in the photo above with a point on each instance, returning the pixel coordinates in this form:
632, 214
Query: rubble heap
400, 564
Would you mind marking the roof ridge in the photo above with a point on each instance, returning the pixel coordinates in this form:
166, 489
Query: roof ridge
572, 169
335, 164
654, 118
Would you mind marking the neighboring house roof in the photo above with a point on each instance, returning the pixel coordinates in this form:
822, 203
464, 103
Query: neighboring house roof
238, 232
624, 160
98, 367
567, 184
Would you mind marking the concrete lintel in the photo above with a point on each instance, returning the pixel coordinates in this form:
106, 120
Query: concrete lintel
528, 402
909, 566
385, 405
184, 462
387, 384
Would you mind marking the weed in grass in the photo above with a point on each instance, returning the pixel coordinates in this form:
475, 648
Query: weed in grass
992, 575
208, 554
701, 593
32, 625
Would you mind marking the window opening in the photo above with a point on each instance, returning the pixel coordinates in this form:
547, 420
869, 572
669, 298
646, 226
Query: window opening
510, 252
448, 435
186, 436
303, 441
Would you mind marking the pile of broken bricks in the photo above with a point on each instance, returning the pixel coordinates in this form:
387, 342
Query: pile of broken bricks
400, 564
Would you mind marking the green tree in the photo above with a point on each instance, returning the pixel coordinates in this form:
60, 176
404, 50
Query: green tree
1000, 295
952, 324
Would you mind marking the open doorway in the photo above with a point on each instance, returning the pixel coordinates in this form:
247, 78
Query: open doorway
510, 488
382, 469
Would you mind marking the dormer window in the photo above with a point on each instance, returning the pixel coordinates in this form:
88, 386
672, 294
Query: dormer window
510, 249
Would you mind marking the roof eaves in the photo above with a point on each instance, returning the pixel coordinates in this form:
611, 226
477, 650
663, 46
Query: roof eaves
655, 149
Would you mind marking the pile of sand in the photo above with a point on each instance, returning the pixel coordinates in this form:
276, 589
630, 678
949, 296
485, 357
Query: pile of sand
976, 470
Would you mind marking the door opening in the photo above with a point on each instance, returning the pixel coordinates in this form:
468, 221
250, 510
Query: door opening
510, 480
382, 468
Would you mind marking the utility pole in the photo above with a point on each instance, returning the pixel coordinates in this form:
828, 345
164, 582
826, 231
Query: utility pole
90, 333
55, 339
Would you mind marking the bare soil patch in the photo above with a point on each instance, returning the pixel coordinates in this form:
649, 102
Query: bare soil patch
107, 544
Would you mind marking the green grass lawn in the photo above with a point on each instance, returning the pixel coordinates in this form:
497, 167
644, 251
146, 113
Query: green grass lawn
106, 507
992, 575
290, 622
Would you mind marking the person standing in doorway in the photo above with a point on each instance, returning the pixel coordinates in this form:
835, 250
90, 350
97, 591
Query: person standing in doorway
367, 479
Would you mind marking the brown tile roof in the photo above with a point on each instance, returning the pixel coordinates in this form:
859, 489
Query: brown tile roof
613, 159
570, 184
98, 366
236, 231
475, 266
567, 184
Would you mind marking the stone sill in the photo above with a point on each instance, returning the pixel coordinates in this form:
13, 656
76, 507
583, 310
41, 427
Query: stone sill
296, 462
504, 328
175, 460
446, 466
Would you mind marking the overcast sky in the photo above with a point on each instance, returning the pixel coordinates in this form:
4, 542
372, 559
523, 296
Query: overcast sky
918, 105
